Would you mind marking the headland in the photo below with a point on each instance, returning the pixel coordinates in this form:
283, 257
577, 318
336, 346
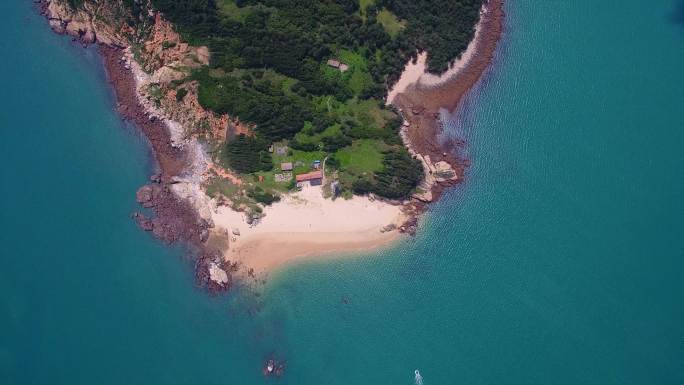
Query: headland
190, 193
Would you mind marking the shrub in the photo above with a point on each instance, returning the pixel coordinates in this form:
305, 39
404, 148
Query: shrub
247, 154
180, 94
262, 196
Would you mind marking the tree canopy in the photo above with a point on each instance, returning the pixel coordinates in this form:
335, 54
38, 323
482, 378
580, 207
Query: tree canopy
268, 68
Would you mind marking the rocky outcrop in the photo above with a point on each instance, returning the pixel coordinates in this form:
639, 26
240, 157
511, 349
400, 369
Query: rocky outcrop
165, 48
161, 56
175, 219
95, 22
437, 174
147, 194
214, 273
273, 368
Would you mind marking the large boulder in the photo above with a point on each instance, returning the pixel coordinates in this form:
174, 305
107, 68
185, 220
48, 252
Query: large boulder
147, 194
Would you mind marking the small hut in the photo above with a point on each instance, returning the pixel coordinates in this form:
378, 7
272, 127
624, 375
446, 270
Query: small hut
338, 64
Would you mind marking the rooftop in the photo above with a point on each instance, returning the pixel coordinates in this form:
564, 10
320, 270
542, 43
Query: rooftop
310, 176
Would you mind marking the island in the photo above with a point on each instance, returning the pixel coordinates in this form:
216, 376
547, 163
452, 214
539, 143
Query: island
287, 129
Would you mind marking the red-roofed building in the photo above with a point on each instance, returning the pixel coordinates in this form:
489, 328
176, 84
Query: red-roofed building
314, 178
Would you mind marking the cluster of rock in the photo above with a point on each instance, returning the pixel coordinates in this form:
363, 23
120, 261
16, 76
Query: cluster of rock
274, 368
214, 273
439, 172
435, 173
174, 218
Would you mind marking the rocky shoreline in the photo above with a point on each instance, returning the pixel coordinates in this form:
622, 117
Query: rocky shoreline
174, 219
420, 106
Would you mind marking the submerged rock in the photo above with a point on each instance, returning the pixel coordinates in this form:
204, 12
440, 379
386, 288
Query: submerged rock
155, 178
146, 195
145, 223
274, 368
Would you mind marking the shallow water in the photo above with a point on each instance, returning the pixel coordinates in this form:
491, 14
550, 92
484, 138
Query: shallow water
559, 260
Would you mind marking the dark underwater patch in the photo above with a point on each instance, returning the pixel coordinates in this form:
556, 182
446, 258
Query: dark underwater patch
677, 15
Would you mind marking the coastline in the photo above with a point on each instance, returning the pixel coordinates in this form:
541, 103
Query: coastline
175, 219
303, 225
426, 95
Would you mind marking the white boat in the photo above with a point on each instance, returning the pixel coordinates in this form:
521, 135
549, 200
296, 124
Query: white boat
419, 378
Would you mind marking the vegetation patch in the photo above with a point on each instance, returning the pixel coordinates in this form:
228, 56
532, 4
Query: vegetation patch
246, 154
443, 28
363, 6
75, 3
230, 10
221, 186
310, 76
390, 22
180, 94
363, 157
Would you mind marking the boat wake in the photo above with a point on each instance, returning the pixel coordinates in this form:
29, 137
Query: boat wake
419, 378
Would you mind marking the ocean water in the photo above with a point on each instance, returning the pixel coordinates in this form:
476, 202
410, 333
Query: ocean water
560, 259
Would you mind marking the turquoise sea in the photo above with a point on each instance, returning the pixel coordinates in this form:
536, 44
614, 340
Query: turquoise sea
560, 259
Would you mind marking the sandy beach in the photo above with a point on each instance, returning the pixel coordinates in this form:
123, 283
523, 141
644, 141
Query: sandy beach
304, 224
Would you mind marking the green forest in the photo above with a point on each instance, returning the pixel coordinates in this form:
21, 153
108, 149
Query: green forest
269, 67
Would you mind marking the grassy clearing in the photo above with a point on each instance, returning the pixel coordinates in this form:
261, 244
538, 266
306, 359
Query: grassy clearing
359, 78
230, 10
359, 119
360, 161
363, 4
220, 186
304, 137
356, 78
302, 160
268, 183
364, 156
369, 113
366, 112
390, 22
